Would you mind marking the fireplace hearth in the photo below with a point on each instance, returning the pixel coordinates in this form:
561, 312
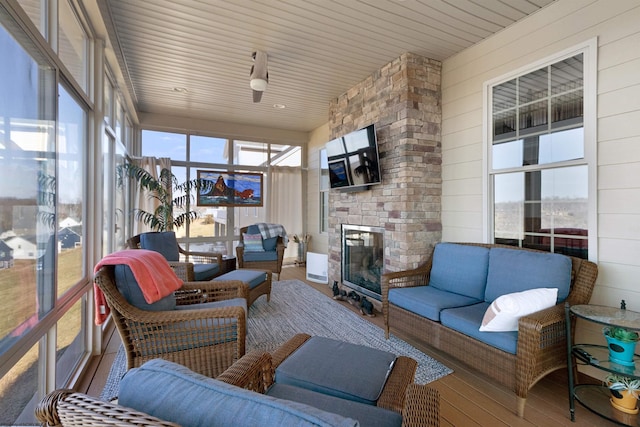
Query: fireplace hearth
362, 258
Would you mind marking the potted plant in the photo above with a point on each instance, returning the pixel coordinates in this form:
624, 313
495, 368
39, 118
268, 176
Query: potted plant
171, 196
622, 344
624, 392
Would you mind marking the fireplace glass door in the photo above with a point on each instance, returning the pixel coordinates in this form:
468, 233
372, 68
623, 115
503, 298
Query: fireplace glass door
363, 258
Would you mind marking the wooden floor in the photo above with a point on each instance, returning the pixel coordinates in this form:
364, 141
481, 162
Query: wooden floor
467, 397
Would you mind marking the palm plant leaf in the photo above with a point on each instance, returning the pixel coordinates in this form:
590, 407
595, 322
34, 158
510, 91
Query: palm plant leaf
168, 192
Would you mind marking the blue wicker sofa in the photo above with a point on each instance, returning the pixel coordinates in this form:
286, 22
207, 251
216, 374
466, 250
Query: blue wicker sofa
466, 287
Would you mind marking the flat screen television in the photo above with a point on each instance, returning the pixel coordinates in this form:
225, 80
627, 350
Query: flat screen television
353, 160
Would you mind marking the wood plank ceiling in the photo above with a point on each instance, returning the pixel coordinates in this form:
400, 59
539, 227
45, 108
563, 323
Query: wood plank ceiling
191, 58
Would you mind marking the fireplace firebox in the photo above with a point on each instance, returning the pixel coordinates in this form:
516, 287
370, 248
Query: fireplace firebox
362, 258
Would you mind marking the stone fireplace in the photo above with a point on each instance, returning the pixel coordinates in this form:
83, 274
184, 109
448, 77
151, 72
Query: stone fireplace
403, 100
362, 258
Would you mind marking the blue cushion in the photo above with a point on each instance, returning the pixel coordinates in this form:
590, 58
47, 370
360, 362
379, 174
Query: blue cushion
427, 301
203, 272
467, 320
260, 256
252, 242
334, 365
461, 269
174, 393
252, 278
270, 243
253, 229
515, 270
128, 287
164, 242
367, 415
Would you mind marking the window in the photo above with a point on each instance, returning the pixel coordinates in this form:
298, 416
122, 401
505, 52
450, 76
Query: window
538, 170
73, 44
279, 163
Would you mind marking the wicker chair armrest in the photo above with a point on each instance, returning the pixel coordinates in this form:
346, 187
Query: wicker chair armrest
203, 257
67, 408
184, 270
286, 349
543, 328
240, 255
406, 278
253, 371
213, 290
422, 406
181, 320
393, 393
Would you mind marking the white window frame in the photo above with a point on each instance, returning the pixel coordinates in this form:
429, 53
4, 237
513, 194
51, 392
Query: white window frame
589, 49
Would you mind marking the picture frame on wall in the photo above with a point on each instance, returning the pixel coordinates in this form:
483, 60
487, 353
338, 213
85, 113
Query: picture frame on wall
230, 189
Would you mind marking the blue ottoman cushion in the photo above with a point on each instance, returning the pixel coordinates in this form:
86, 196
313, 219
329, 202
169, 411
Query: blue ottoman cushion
340, 369
252, 278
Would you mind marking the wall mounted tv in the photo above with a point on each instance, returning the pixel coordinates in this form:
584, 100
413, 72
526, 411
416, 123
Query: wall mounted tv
353, 160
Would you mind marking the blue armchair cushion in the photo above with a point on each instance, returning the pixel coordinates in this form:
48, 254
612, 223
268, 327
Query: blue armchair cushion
260, 256
367, 415
174, 393
164, 242
514, 270
461, 269
252, 242
204, 272
128, 287
321, 365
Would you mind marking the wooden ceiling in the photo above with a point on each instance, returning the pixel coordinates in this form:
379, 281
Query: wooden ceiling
191, 58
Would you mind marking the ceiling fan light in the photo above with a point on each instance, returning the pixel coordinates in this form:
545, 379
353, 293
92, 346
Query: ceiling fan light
258, 84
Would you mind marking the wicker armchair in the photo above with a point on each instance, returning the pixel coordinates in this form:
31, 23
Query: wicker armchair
202, 339
185, 270
542, 341
420, 404
275, 265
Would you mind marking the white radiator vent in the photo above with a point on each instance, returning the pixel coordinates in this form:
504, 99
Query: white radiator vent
317, 267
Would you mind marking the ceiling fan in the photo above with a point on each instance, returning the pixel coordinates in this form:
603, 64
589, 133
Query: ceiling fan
259, 75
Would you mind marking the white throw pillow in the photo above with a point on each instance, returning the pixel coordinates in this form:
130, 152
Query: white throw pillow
504, 311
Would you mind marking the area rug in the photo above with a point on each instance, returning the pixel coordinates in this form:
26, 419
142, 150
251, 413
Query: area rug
296, 307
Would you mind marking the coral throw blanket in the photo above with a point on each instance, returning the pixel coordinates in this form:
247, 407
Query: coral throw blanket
151, 270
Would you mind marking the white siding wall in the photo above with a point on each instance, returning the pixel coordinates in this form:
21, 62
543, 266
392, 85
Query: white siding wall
317, 140
560, 26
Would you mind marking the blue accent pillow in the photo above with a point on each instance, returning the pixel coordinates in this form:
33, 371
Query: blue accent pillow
270, 244
164, 242
252, 242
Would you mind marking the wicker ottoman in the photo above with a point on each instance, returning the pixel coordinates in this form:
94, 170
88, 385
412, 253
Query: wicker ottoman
258, 281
